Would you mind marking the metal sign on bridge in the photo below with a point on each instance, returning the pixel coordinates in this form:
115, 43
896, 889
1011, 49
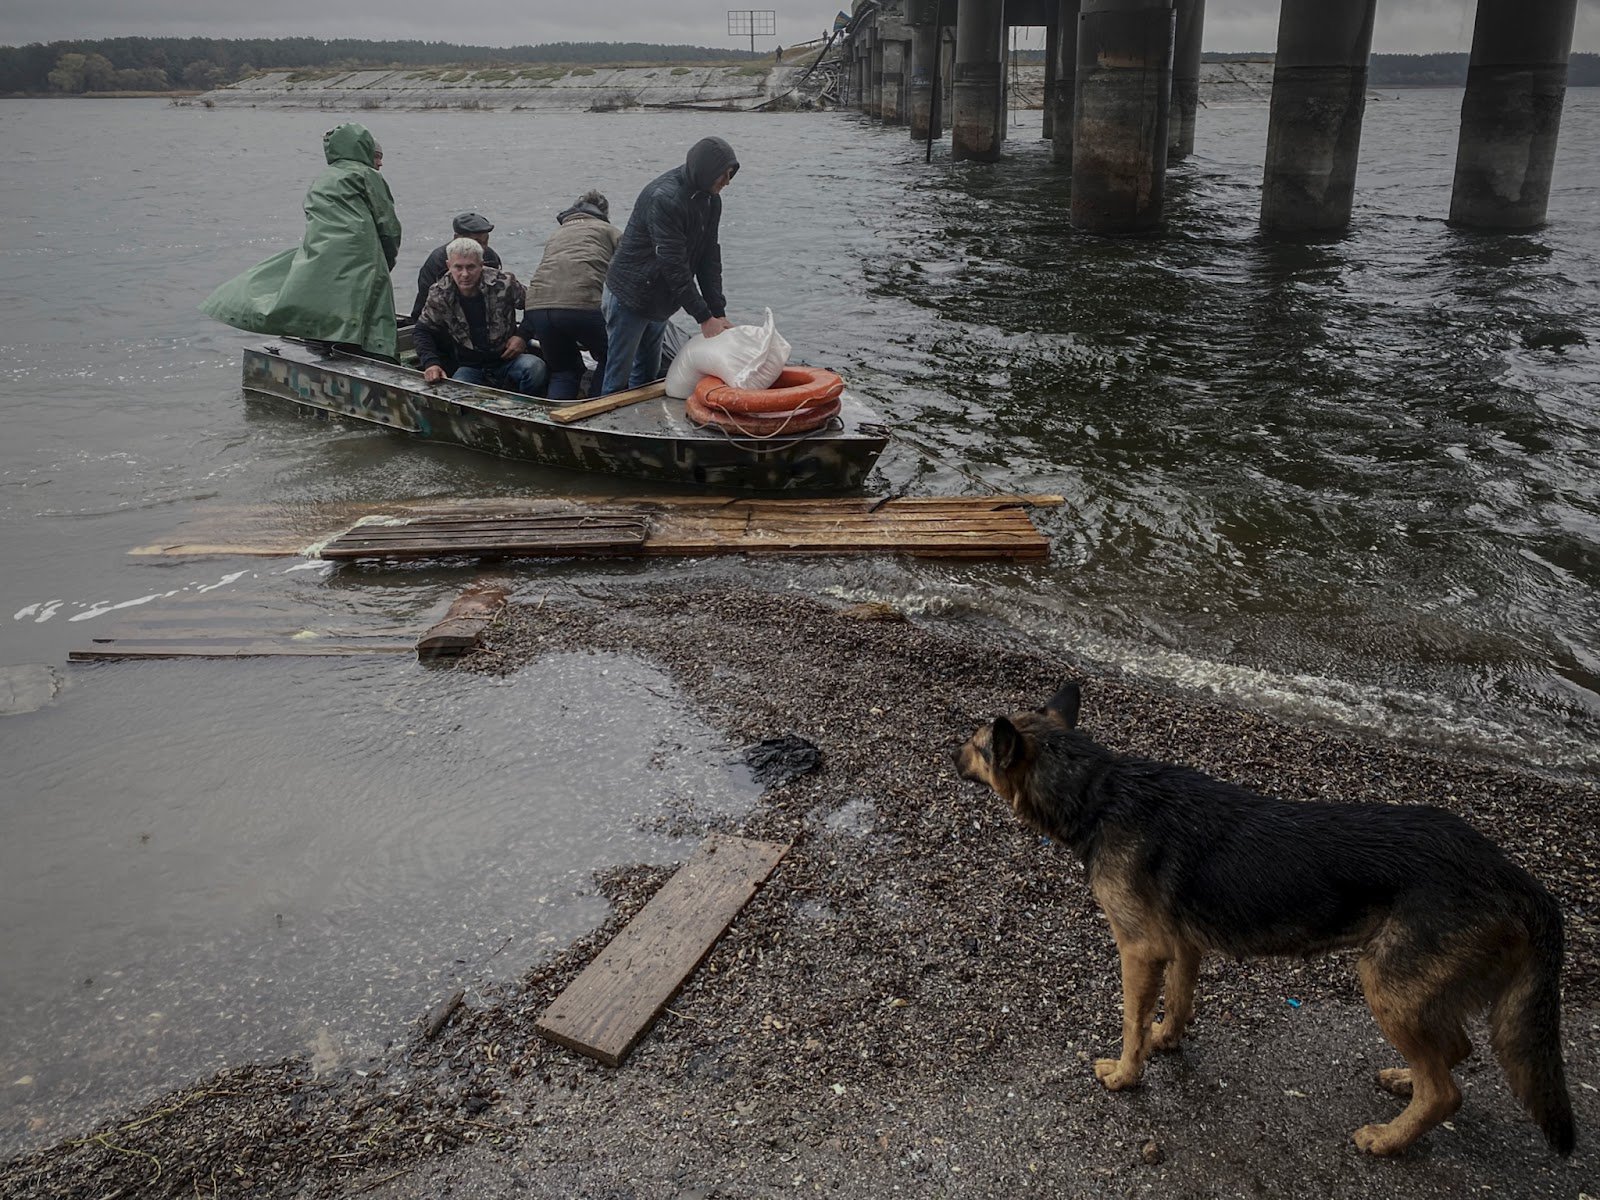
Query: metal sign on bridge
754, 22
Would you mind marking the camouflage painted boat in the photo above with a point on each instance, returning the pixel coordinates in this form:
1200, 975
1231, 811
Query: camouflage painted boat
650, 440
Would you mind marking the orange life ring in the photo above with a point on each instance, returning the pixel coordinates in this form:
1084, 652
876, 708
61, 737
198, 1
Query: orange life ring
762, 425
794, 388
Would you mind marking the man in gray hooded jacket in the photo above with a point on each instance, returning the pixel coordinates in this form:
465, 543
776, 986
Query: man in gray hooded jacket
668, 259
563, 306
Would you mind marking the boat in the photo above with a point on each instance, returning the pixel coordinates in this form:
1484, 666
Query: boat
646, 435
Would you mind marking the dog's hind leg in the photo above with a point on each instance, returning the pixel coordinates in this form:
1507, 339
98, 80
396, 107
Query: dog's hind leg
1397, 1080
1430, 1049
1182, 972
1141, 983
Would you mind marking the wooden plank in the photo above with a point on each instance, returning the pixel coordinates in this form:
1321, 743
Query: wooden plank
532, 536
496, 531
486, 550
606, 1010
501, 524
463, 626
488, 537
568, 413
147, 648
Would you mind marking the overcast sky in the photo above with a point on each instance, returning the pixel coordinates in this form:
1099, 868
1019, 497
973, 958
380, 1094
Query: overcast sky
1403, 25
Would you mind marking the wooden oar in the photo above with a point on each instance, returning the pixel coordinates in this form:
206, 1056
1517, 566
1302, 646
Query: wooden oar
604, 404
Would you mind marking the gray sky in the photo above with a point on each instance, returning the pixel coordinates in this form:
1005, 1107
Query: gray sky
1403, 25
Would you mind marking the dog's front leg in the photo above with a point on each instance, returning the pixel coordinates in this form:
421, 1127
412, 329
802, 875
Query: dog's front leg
1141, 983
1182, 973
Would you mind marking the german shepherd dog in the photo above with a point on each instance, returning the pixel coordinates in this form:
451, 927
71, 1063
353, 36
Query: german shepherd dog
1184, 865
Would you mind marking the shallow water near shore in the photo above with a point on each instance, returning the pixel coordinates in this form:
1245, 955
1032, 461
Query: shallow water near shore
1352, 482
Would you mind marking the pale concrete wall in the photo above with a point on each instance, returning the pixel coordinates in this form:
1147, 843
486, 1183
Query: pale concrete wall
532, 87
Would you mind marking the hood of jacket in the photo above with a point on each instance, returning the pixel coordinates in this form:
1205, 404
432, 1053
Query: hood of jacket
581, 210
351, 142
707, 159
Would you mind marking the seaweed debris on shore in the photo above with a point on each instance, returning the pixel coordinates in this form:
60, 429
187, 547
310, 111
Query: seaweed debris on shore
912, 1001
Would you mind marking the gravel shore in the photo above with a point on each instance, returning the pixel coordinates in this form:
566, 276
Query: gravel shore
910, 1004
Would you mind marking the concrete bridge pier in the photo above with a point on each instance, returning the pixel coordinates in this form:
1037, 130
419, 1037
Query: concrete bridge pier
894, 82
1060, 95
875, 74
858, 72
1119, 127
1185, 78
927, 115
1516, 86
1052, 51
1319, 95
978, 113
947, 72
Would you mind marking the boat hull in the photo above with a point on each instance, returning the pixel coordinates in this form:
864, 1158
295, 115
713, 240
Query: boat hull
649, 440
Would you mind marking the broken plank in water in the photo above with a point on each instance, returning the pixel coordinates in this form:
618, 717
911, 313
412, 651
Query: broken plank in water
463, 626
525, 535
605, 1011
202, 646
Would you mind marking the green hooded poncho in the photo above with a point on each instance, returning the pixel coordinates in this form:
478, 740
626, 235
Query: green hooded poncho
335, 287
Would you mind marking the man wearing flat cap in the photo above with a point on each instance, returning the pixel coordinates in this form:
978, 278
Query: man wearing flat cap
468, 225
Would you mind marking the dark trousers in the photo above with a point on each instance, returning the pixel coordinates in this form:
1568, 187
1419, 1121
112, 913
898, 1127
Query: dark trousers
562, 332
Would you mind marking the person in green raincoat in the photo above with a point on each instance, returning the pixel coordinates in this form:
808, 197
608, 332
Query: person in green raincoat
335, 286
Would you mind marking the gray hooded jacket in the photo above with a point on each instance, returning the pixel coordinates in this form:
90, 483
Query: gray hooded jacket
669, 257
575, 260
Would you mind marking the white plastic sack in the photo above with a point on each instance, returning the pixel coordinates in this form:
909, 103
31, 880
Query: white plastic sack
746, 356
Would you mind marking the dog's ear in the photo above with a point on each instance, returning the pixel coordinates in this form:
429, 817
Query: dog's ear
1063, 706
1006, 745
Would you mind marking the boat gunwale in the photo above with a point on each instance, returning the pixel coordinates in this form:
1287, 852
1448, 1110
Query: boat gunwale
858, 421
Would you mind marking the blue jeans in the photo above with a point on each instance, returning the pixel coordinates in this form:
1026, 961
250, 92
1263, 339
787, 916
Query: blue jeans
633, 345
562, 333
526, 373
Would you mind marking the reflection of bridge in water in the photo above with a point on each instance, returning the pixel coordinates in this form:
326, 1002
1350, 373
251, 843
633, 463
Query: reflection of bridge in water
1122, 87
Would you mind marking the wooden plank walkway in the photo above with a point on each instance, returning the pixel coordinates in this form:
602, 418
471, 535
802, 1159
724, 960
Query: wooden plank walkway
606, 1010
512, 535
991, 527
125, 648
241, 625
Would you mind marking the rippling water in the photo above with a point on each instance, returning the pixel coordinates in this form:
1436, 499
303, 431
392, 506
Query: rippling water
1352, 481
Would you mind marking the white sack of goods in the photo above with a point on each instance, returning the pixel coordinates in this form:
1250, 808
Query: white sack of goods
746, 356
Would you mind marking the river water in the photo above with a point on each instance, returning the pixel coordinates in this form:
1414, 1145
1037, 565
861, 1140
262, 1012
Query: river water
1354, 483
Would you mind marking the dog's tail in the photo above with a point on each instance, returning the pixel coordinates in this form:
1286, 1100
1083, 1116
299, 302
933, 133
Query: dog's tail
1525, 1026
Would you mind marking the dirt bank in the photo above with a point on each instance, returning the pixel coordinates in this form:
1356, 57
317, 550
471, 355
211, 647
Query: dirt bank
909, 1006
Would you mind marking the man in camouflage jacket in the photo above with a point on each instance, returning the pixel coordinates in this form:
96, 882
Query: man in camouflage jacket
469, 331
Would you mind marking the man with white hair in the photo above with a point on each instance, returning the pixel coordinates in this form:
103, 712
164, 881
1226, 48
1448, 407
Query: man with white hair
469, 331
469, 225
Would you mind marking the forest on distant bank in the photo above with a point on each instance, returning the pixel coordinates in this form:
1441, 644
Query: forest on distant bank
141, 64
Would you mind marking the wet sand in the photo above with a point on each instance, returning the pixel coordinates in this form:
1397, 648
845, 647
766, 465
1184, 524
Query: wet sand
909, 1006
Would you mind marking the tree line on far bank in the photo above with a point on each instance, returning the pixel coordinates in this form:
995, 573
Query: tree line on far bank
1402, 70
142, 64
1450, 70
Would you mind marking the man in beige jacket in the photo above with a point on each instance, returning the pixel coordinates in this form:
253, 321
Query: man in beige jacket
563, 308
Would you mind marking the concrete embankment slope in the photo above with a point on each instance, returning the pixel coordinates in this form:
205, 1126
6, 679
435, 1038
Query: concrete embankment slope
549, 88
534, 87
